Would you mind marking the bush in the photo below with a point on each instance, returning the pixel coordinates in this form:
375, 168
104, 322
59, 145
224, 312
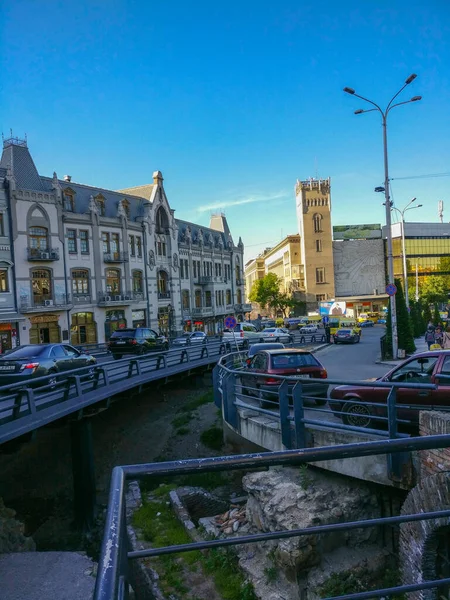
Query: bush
404, 329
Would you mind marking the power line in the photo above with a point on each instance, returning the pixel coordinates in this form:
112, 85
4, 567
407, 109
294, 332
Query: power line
428, 176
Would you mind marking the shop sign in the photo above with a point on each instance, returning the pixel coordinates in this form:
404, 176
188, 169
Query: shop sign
138, 315
5, 326
44, 319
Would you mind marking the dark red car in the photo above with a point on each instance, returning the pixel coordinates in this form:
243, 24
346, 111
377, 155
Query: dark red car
297, 363
420, 368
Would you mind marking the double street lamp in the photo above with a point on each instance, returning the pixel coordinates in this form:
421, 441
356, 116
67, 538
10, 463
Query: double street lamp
402, 218
387, 203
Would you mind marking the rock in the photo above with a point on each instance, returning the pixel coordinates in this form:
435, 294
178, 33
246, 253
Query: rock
12, 538
235, 526
228, 531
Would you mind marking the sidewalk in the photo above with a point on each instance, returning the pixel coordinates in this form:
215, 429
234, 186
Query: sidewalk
421, 346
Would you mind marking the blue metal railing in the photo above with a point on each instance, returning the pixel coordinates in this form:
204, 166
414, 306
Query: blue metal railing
113, 576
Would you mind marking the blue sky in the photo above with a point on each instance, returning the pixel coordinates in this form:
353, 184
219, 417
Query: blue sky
233, 101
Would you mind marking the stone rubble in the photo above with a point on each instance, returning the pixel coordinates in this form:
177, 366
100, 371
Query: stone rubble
232, 520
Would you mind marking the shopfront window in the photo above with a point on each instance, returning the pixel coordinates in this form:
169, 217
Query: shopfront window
83, 329
41, 282
114, 319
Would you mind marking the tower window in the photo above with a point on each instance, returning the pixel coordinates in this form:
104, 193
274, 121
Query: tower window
318, 245
320, 275
317, 219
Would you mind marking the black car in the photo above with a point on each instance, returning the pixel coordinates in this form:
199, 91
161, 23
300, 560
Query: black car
136, 341
346, 336
188, 338
37, 360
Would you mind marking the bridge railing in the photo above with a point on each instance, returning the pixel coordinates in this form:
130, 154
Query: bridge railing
114, 573
34, 402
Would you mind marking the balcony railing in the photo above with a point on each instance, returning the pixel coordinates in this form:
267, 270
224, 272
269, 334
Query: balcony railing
115, 257
208, 279
43, 254
118, 298
163, 295
45, 303
203, 311
81, 298
238, 307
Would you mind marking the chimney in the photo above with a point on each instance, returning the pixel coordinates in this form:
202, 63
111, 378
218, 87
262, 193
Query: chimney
68, 178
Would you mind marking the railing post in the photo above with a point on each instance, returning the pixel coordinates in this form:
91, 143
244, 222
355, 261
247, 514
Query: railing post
216, 382
134, 363
204, 351
299, 415
394, 460
229, 398
286, 436
158, 361
184, 353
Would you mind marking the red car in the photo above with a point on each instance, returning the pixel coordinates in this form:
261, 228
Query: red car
420, 368
300, 363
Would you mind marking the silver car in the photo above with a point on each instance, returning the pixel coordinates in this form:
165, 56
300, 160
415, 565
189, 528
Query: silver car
277, 334
190, 337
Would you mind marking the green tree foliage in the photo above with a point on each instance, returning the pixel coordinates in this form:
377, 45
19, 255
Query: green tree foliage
436, 316
404, 329
434, 289
266, 292
427, 317
416, 317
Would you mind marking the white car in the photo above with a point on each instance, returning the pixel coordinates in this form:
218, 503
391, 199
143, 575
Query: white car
278, 334
309, 329
243, 335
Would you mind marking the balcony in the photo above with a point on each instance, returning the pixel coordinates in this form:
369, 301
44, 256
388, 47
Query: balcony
45, 304
81, 299
238, 308
203, 311
118, 299
115, 257
247, 307
229, 308
38, 254
163, 295
208, 280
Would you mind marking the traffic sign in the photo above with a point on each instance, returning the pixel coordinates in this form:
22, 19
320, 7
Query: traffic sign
326, 320
230, 322
391, 289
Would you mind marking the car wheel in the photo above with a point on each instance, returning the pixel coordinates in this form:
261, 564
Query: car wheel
358, 339
52, 379
359, 415
336, 342
91, 373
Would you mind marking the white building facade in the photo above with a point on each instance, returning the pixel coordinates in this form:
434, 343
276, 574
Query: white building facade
89, 260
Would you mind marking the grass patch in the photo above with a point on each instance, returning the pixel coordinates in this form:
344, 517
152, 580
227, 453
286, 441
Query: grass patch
182, 431
212, 438
195, 403
161, 527
361, 580
182, 420
208, 481
271, 574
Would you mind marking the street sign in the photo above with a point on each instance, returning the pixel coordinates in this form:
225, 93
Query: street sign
391, 289
230, 322
326, 320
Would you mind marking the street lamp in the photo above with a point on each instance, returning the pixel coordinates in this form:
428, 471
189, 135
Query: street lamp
402, 217
388, 205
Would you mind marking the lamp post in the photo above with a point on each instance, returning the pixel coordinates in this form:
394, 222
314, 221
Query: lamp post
402, 217
384, 115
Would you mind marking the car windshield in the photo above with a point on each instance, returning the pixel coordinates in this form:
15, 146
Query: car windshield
185, 335
270, 329
26, 351
293, 361
119, 333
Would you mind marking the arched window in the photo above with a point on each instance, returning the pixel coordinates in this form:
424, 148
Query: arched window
38, 240
198, 299
239, 296
101, 204
163, 282
41, 283
185, 300
160, 246
137, 281
113, 282
161, 221
238, 270
317, 219
228, 296
80, 282
69, 200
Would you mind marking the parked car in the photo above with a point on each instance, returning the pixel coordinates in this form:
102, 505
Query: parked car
381, 321
421, 368
190, 337
278, 334
346, 336
298, 363
308, 329
36, 360
242, 335
366, 323
136, 341
268, 323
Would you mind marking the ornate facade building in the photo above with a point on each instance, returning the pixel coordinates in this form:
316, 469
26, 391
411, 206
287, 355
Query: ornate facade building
88, 260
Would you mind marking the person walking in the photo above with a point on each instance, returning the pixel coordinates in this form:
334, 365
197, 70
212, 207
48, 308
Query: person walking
438, 335
446, 339
429, 335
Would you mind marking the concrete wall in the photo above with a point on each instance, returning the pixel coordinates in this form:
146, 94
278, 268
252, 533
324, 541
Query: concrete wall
358, 267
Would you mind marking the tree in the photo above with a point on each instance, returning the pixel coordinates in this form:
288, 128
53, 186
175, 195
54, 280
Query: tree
434, 289
427, 315
416, 317
436, 316
266, 292
404, 329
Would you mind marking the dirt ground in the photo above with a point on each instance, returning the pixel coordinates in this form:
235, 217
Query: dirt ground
36, 478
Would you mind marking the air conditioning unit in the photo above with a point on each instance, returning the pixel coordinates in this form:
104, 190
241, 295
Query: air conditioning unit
54, 254
127, 297
107, 298
45, 255
48, 302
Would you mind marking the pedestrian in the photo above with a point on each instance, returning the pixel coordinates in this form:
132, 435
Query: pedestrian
438, 335
446, 339
429, 335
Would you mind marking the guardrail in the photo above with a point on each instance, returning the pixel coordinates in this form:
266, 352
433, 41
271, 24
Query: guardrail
288, 399
113, 575
24, 408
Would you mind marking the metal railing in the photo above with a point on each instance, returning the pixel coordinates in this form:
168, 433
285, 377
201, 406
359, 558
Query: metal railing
115, 257
47, 301
42, 254
35, 402
114, 573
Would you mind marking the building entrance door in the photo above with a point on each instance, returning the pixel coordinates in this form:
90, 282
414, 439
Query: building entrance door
45, 330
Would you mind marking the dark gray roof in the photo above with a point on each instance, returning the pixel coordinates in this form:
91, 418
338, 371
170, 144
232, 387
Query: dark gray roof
195, 228
23, 168
84, 192
2, 172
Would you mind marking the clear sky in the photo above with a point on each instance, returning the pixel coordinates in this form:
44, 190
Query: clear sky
233, 101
